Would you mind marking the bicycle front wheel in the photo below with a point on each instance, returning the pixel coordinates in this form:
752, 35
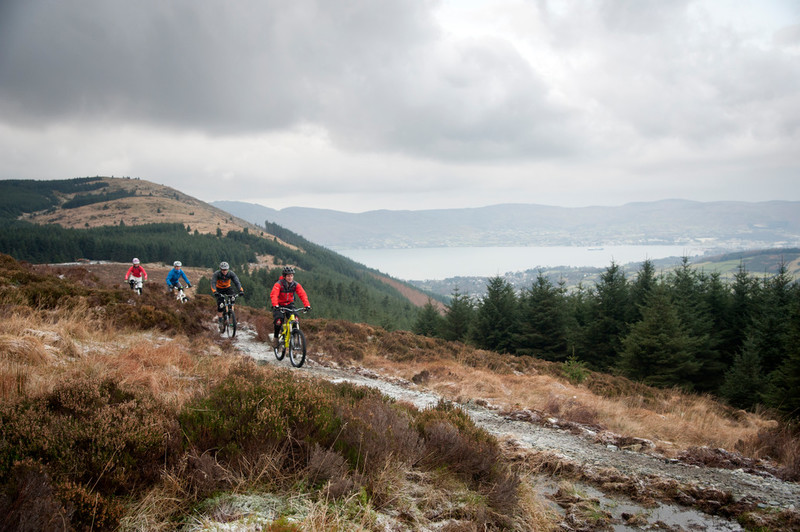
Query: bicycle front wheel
280, 351
231, 329
297, 348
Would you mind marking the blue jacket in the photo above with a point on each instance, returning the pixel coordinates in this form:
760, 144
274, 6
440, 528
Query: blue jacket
175, 275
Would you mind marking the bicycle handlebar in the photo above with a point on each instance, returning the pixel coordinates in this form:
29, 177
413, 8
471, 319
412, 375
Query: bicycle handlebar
290, 309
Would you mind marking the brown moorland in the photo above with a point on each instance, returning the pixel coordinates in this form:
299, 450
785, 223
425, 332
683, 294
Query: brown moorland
59, 332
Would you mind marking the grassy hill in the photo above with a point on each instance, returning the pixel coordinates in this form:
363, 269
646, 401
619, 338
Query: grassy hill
115, 219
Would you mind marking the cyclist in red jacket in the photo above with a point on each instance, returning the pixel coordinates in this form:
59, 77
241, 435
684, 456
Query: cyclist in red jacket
282, 295
136, 273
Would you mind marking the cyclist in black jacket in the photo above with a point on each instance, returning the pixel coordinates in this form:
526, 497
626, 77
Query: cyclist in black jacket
224, 281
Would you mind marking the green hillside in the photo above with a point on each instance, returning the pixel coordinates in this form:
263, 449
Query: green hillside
338, 286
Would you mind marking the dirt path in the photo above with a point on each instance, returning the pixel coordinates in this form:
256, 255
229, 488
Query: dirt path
703, 485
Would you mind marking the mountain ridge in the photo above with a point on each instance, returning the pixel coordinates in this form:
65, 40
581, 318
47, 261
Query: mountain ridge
720, 225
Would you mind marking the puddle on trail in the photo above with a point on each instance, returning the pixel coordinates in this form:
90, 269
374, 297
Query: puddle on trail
621, 514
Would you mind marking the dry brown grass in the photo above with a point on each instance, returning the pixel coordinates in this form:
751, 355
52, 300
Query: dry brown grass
672, 419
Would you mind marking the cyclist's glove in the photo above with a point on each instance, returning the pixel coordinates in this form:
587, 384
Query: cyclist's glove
308, 308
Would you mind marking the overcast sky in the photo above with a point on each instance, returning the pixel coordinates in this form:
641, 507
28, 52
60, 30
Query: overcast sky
407, 104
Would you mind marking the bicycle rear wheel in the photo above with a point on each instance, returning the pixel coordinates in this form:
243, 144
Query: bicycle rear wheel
231, 329
297, 348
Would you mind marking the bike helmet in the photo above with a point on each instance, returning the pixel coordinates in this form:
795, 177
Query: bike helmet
288, 270
177, 264
135, 260
224, 266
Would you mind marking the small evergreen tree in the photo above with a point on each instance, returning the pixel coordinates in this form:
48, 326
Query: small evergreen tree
429, 322
495, 318
611, 314
784, 389
459, 316
744, 384
542, 326
658, 349
688, 289
644, 284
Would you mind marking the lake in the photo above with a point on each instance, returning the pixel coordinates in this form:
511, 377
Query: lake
442, 263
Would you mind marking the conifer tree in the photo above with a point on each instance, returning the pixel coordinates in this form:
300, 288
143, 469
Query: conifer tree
658, 349
459, 316
744, 384
578, 314
542, 326
643, 285
744, 294
770, 328
611, 313
429, 321
784, 389
687, 287
495, 318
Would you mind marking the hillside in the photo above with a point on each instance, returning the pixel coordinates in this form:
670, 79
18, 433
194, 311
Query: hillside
713, 225
142, 202
177, 428
114, 219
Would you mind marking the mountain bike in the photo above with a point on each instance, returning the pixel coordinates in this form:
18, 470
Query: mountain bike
136, 286
291, 338
179, 294
228, 324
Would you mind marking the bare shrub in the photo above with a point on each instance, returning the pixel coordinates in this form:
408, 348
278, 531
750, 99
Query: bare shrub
570, 409
201, 475
29, 501
264, 328
781, 444
90, 510
253, 408
375, 432
92, 432
453, 440
324, 465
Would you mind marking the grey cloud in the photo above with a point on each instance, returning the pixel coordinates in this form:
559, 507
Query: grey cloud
477, 100
663, 74
376, 76
382, 77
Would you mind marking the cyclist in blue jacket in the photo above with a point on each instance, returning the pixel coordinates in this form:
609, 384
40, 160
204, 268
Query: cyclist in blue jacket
174, 276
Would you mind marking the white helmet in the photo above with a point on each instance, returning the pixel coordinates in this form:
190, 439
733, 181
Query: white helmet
135, 260
224, 266
177, 264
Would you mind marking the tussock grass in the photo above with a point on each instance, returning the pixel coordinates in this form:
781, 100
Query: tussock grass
674, 420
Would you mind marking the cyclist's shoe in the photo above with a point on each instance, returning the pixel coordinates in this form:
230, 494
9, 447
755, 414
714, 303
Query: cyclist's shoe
221, 324
276, 343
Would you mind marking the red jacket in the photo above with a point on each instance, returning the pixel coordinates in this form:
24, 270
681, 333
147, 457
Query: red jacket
136, 271
282, 294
